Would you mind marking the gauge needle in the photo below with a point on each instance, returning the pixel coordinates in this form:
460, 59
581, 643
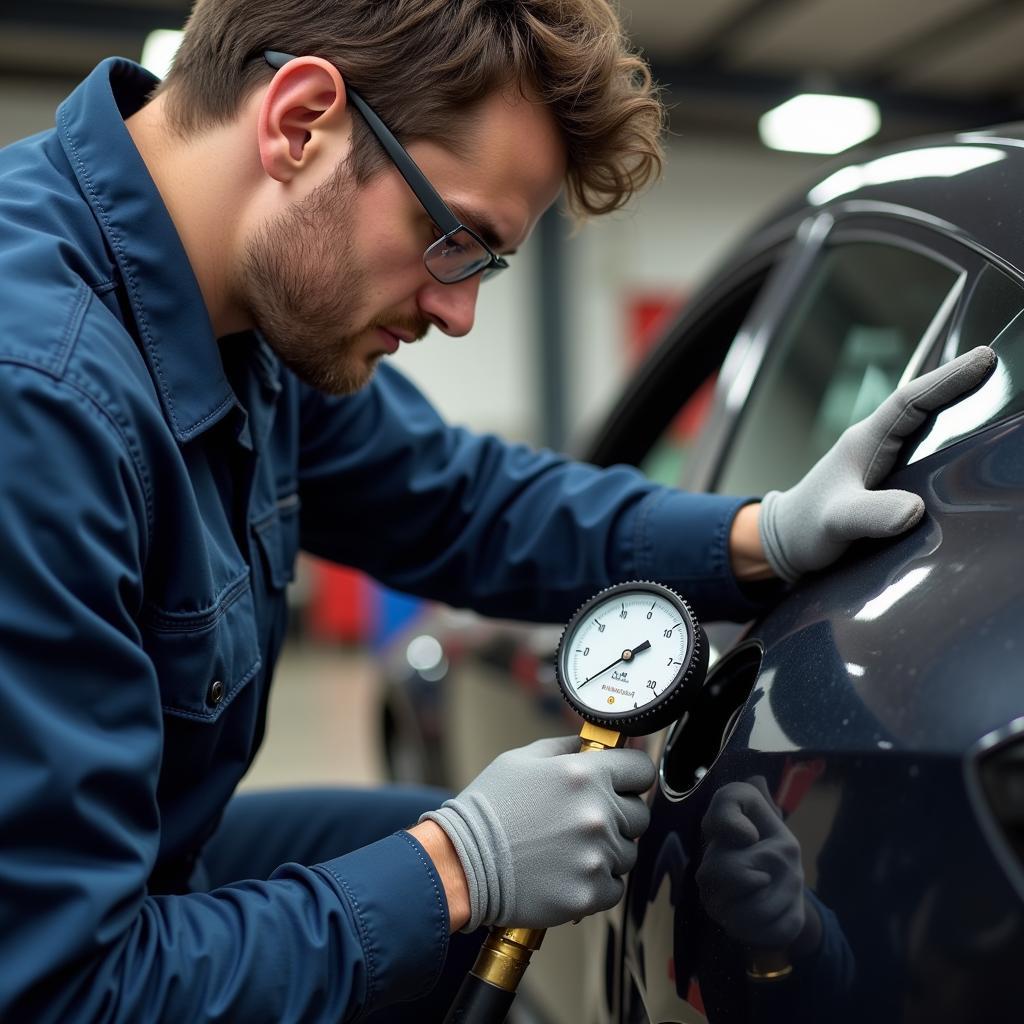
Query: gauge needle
627, 655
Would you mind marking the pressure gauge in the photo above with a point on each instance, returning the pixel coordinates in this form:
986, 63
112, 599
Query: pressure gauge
632, 657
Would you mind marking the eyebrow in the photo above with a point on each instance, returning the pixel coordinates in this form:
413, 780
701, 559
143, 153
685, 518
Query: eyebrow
483, 226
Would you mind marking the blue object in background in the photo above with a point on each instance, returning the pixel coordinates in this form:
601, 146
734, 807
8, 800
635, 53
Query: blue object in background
395, 611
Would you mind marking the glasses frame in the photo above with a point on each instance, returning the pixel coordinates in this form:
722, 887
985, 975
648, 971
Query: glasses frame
436, 208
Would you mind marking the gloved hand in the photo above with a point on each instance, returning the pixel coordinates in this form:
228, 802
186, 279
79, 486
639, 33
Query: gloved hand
751, 879
812, 524
544, 832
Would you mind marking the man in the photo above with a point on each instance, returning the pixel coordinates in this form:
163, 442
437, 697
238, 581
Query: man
195, 290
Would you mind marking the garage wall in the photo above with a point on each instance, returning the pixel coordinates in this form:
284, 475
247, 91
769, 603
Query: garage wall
27, 106
711, 192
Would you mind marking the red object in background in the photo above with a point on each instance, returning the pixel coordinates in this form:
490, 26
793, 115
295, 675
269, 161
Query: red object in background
694, 997
797, 779
648, 315
342, 605
348, 606
687, 424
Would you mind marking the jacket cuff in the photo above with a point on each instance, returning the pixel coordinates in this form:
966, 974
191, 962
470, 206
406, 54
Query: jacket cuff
398, 904
682, 540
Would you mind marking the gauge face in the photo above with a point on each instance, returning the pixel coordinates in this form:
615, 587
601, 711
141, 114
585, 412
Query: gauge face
627, 651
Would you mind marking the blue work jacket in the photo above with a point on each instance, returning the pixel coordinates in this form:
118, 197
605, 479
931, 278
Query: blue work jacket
156, 484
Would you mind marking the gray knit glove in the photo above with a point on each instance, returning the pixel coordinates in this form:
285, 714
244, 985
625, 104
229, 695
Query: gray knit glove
751, 879
813, 523
544, 832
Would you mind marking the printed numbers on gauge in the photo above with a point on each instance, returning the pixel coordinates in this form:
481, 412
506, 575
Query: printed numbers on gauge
632, 657
625, 651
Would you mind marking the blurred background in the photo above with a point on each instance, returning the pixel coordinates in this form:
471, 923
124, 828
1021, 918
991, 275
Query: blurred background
557, 338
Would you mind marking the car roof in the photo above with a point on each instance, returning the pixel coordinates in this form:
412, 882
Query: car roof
969, 184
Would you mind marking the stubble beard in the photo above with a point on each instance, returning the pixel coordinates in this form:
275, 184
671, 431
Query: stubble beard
299, 278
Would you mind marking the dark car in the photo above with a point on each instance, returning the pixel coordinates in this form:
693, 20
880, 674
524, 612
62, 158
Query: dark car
871, 726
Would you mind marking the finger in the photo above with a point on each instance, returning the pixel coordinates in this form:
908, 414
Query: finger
606, 894
726, 822
760, 783
615, 892
758, 806
904, 411
727, 875
635, 816
631, 770
553, 746
779, 860
773, 901
763, 815
746, 814
874, 514
625, 858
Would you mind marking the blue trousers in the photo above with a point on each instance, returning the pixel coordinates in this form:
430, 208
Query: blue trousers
261, 831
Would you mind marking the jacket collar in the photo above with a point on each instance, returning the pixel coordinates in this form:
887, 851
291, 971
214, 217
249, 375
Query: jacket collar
174, 327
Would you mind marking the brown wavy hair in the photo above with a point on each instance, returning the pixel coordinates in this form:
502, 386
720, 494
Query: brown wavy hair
424, 64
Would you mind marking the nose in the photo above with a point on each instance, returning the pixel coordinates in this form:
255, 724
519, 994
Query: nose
451, 307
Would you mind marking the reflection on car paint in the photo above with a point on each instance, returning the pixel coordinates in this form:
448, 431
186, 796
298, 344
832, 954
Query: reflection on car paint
935, 162
894, 592
880, 677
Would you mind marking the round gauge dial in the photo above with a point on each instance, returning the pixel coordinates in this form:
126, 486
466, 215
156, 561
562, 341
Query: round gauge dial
630, 655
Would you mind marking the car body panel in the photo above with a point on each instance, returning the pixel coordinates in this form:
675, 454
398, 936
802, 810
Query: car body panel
877, 686
878, 726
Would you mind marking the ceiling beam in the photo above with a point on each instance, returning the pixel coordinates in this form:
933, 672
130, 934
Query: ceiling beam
767, 90
937, 41
712, 48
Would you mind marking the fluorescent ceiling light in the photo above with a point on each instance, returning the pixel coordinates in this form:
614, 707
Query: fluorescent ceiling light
931, 162
817, 123
159, 49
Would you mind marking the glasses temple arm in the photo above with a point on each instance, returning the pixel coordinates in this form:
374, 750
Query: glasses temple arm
435, 206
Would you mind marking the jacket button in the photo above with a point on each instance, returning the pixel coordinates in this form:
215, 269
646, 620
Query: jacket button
215, 694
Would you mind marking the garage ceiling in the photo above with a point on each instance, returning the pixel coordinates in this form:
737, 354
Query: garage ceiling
931, 64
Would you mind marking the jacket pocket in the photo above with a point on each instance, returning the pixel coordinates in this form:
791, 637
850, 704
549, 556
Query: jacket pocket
204, 658
277, 535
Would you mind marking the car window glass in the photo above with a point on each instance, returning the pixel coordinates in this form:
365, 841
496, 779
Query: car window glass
993, 315
668, 456
837, 357
992, 303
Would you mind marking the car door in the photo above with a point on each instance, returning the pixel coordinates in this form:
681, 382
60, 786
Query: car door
881, 299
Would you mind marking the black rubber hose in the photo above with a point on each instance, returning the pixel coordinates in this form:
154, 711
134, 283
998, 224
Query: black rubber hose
479, 1002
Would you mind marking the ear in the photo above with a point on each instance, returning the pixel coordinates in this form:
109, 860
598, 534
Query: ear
303, 115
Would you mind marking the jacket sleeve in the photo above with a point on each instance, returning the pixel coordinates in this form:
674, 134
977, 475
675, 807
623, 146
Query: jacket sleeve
471, 520
80, 937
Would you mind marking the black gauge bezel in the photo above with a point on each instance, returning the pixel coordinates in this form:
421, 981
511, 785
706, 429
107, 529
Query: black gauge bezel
667, 707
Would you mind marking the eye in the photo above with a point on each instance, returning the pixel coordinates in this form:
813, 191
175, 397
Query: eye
454, 248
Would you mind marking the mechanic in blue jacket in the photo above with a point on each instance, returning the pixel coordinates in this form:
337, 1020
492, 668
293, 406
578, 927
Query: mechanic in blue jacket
195, 289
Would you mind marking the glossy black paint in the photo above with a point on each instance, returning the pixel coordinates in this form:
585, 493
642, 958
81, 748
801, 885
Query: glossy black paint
881, 683
877, 682
983, 205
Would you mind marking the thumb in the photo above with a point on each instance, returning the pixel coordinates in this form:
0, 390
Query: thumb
882, 433
874, 514
760, 783
906, 408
